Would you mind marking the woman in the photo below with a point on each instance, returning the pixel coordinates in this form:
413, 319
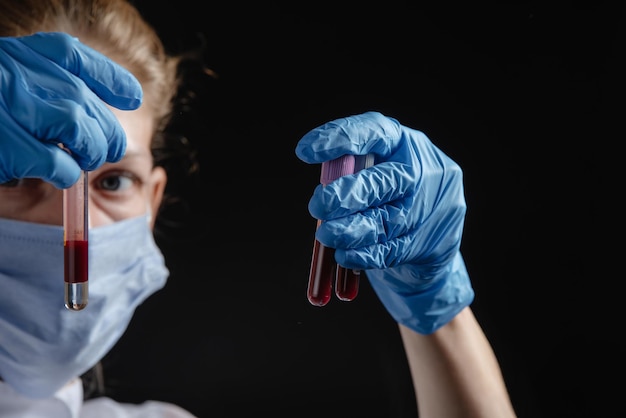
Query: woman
41, 362
54, 89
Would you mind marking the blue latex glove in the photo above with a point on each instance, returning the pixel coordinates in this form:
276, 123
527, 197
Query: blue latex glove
53, 90
400, 220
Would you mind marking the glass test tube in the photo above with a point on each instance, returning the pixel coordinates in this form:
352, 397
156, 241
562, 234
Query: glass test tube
347, 280
324, 270
75, 243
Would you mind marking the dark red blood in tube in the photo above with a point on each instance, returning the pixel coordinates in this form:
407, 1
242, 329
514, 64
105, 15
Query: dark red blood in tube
346, 283
76, 261
322, 274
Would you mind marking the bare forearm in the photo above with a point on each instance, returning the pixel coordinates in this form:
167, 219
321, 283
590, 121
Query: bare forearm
455, 372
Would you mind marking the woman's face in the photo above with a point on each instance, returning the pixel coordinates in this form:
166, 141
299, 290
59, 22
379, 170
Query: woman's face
117, 191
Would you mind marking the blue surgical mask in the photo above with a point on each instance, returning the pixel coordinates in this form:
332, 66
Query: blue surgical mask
43, 345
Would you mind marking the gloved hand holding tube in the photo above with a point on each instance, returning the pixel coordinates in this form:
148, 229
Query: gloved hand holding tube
400, 221
54, 90
55, 126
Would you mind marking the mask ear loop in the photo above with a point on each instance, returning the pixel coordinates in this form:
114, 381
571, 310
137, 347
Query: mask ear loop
149, 213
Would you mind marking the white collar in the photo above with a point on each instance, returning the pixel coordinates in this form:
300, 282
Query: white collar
66, 403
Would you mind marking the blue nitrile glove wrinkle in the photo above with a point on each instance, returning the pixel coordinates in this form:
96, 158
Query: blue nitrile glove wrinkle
54, 90
400, 220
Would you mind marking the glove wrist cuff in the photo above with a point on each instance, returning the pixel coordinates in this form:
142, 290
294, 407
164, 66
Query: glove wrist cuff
426, 311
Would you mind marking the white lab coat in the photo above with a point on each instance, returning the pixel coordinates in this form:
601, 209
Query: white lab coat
68, 403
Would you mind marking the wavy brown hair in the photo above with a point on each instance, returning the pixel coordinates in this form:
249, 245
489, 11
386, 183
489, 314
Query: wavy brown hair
112, 27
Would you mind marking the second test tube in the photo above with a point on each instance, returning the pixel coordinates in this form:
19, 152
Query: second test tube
75, 243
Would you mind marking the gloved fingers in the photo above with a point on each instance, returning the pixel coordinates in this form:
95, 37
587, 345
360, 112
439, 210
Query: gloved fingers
405, 161
36, 159
57, 106
90, 131
371, 226
375, 186
379, 256
107, 79
399, 231
427, 248
61, 169
357, 135
388, 200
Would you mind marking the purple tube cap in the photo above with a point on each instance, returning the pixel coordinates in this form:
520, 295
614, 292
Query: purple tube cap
346, 164
333, 169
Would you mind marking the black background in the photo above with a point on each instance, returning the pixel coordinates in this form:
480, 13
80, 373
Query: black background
527, 98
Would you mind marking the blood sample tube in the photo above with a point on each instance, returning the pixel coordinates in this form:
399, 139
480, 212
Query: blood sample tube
322, 273
75, 243
347, 280
346, 283
324, 269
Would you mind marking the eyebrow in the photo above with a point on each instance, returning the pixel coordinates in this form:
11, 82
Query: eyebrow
135, 153
135, 157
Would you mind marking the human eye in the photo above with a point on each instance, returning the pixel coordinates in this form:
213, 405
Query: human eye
11, 183
116, 182
29, 185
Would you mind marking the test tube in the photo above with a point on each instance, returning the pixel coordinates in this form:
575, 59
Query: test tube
322, 273
75, 243
346, 283
347, 280
324, 270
